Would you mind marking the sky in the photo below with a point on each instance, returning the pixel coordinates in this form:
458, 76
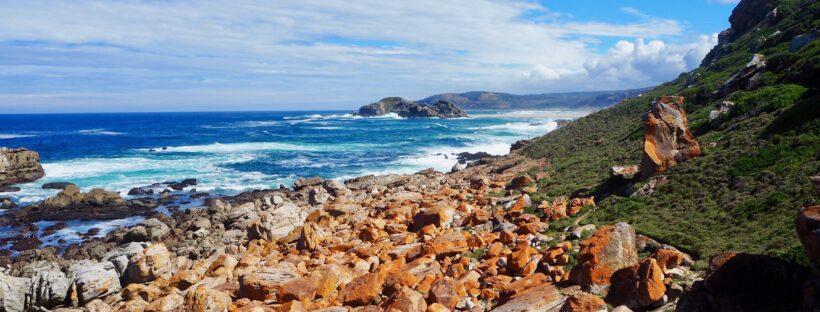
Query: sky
221, 55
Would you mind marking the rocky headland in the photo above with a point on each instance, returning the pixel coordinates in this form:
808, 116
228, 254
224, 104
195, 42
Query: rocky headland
18, 165
410, 109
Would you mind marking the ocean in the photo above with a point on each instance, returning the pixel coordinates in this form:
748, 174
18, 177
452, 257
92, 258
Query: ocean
231, 152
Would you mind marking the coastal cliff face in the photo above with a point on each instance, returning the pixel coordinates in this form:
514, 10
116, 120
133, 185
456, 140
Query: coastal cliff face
19, 165
411, 109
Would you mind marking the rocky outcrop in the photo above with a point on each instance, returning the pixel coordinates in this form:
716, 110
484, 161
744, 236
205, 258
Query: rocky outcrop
747, 78
719, 115
18, 165
72, 204
411, 109
667, 140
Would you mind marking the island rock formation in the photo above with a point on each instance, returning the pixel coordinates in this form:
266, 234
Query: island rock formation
411, 109
18, 165
667, 140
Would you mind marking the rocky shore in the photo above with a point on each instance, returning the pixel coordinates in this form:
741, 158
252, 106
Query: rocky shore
18, 165
475, 239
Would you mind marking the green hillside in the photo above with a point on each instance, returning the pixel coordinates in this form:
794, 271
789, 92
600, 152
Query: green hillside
744, 192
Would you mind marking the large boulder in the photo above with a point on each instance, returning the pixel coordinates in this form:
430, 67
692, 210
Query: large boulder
12, 293
542, 298
48, 289
92, 280
610, 249
19, 165
152, 263
667, 140
277, 222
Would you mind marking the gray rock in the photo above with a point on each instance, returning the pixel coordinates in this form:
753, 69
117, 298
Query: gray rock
48, 289
148, 230
92, 280
13, 293
277, 222
802, 40
121, 255
411, 109
457, 167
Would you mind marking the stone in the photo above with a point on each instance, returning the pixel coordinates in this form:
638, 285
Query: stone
445, 292
148, 230
48, 289
717, 116
667, 140
626, 172
264, 284
650, 283
440, 216
277, 222
457, 167
668, 259
541, 298
169, 303
447, 244
203, 299
299, 288
121, 255
520, 182
92, 280
362, 290
583, 302
610, 249
802, 40
19, 165
808, 230
13, 293
154, 262
406, 300
305, 183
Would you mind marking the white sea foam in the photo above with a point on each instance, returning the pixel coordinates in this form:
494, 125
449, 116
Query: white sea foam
528, 128
233, 147
100, 132
5, 136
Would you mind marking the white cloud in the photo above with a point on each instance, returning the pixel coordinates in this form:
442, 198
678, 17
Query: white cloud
327, 53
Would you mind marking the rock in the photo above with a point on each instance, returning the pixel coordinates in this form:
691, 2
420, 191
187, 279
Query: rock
406, 300
808, 230
440, 216
457, 167
303, 183
362, 290
19, 165
13, 293
579, 231
626, 172
716, 117
747, 282
445, 292
410, 109
148, 230
318, 196
667, 139
169, 303
649, 188
154, 262
48, 289
56, 185
122, 255
520, 182
584, 302
92, 280
610, 249
264, 284
277, 222
334, 187
650, 283
203, 299
747, 78
802, 40
541, 298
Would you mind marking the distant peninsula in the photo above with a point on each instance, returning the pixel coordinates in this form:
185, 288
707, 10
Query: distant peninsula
478, 100
411, 109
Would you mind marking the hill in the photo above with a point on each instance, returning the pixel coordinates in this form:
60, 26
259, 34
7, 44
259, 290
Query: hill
758, 153
496, 100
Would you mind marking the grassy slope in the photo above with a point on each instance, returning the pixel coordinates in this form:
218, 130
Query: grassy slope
744, 192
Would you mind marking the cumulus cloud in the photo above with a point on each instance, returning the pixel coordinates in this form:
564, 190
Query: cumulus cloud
327, 54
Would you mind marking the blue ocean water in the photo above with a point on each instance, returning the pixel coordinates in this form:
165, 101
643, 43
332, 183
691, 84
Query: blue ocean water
230, 152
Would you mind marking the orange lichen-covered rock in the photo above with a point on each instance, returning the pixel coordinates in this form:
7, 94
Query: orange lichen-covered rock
406, 300
363, 289
202, 299
446, 292
440, 216
539, 298
263, 284
668, 258
610, 249
650, 282
667, 140
583, 302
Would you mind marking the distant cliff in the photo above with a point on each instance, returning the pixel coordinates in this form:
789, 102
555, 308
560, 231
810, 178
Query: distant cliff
411, 109
495, 100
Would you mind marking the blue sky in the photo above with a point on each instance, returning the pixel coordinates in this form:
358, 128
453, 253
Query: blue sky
85, 56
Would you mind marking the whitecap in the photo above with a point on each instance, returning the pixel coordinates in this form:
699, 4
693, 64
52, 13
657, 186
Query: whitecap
232, 147
100, 132
7, 136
